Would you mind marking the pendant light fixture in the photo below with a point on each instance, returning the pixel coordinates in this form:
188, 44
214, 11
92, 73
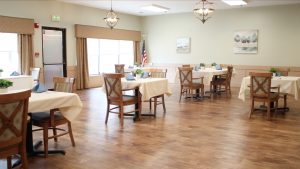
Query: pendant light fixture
111, 18
203, 10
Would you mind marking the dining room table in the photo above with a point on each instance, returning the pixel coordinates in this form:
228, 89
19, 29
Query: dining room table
287, 84
206, 73
148, 88
69, 105
19, 82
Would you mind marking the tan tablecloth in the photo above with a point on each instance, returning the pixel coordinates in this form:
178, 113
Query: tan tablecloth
19, 82
288, 84
69, 104
149, 87
207, 73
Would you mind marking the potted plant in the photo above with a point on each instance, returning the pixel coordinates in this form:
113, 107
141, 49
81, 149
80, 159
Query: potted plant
273, 70
4, 84
138, 73
202, 65
213, 65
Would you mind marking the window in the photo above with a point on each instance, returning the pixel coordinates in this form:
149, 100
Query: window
10, 60
103, 54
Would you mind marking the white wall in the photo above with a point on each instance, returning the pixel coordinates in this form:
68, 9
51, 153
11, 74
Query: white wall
41, 12
278, 41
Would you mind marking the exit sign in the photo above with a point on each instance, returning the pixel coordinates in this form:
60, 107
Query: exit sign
55, 18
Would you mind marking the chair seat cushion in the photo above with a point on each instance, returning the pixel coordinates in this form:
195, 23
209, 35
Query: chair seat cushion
45, 116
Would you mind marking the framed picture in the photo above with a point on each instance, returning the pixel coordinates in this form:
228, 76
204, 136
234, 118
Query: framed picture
183, 45
245, 41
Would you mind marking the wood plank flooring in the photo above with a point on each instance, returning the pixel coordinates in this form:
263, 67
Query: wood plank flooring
208, 134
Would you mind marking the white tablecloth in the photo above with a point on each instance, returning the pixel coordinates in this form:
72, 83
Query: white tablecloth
288, 84
69, 104
19, 82
207, 73
149, 87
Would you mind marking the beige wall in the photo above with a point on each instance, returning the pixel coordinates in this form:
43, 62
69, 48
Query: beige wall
279, 36
70, 14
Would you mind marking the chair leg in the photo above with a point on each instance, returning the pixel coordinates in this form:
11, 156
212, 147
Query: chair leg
107, 113
285, 102
269, 111
8, 159
71, 133
155, 106
150, 103
54, 133
180, 94
45, 133
251, 108
24, 156
163, 102
121, 115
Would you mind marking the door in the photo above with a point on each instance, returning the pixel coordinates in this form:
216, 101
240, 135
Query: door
54, 54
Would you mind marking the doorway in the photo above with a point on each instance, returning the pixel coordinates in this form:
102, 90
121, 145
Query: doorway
54, 54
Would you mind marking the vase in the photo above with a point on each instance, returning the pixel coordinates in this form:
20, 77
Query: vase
274, 74
3, 90
138, 76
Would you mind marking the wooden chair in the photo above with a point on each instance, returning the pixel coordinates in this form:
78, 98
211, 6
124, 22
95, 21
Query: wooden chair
187, 83
221, 83
115, 97
260, 91
119, 68
35, 73
283, 72
13, 126
51, 120
157, 73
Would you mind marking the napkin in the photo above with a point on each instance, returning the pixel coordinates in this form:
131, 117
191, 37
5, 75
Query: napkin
14, 73
39, 88
145, 75
218, 67
130, 77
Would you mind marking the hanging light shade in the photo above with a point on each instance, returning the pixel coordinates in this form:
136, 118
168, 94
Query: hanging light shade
203, 10
111, 18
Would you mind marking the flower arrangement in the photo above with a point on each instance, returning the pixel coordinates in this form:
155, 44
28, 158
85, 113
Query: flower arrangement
5, 83
138, 71
214, 64
273, 70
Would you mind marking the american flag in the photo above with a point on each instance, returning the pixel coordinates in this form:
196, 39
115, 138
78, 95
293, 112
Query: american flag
144, 55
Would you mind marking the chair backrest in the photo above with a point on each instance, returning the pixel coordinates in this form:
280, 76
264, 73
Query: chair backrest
64, 84
186, 76
35, 73
158, 73
113, 86
186, 65
229, 74
260, 84
13, 121
119, 68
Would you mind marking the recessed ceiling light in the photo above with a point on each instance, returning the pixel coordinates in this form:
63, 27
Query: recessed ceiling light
235, 2
155, 8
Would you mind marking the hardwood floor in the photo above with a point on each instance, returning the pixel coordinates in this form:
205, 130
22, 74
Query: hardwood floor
208, 134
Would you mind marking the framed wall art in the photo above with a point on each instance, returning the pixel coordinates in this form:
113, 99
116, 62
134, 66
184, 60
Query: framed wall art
183, 45
245, 41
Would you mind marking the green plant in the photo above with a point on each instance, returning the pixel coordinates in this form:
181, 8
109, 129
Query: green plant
273, 70
214, 64
5, 83
138, 71
202, 64
1, 70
